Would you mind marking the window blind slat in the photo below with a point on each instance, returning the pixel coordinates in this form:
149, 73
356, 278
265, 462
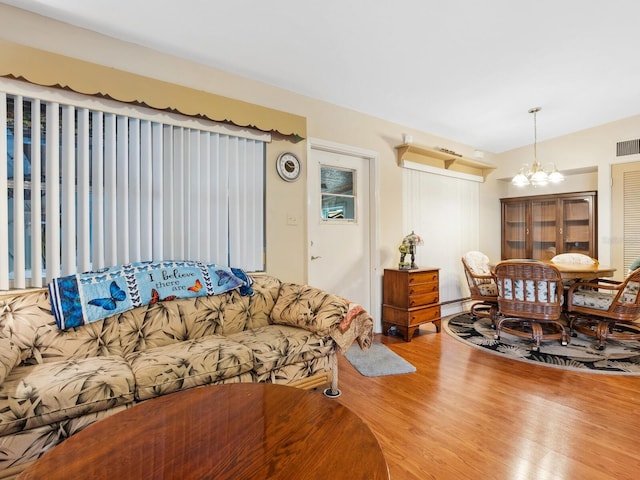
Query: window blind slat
220, 193
83, 199
169, 193
121, 225
204, 220
97, 188
194, 194
18, 195
158, 194
235, 239
110, 194
36, 196
68, 191
134, 189
146, 189
178, 193
52, 141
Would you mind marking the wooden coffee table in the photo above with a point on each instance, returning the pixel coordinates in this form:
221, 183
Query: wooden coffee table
237, 431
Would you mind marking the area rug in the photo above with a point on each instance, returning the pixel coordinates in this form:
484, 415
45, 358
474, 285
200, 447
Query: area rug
378, 361
618, 358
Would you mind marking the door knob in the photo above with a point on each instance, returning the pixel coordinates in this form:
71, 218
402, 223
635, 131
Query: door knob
313, 257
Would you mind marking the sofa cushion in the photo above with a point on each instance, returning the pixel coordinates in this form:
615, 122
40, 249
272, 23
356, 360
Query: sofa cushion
309, 308
9, 357
187, 364
26, 319
36, 395
251, 312
275, 346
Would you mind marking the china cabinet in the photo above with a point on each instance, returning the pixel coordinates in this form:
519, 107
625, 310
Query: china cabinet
542, 226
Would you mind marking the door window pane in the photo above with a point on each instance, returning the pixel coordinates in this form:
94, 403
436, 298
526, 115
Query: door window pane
337, 188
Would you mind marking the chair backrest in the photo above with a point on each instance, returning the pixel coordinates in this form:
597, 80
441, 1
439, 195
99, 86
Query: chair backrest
477, 271
626, 305
477, 262
529, 289
576, 258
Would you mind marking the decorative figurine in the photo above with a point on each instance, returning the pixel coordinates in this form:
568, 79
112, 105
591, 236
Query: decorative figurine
408, 246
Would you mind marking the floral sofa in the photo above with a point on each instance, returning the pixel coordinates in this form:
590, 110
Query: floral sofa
55, 382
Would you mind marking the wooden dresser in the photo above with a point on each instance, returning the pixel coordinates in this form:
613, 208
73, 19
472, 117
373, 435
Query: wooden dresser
409, 299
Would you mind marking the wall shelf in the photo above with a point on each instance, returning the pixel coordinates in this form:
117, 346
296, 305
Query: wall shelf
408, 152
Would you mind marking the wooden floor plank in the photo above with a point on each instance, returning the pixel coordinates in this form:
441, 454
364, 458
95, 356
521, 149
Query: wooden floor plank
469, 414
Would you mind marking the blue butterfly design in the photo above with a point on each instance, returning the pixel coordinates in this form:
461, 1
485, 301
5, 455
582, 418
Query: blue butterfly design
117, 295
223, 277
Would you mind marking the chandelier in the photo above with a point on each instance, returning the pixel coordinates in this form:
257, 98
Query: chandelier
537, 174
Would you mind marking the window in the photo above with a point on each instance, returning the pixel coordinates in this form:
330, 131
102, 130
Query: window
338, 193
91, 183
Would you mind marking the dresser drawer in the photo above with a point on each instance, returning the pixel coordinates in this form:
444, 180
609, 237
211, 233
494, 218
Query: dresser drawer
424, 299
423, 277
423, 315
415, 316
423, 288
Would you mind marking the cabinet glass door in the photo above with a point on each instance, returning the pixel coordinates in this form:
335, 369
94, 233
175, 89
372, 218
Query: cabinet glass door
544, 229
576, 231
514, 240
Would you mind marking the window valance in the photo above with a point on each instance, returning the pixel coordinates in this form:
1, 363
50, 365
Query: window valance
54, 70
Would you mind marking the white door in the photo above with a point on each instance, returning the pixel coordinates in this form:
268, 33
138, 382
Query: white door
340, 242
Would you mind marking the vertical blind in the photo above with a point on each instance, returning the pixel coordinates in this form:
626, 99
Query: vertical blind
85, 188
441, 211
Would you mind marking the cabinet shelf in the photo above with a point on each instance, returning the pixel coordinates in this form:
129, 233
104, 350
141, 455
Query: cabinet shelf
442, 159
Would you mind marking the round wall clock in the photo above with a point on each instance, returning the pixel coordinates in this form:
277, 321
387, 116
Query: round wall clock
288, 166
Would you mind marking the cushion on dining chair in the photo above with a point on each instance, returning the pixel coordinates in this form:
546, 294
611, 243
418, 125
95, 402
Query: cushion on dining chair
601, 300
488, 289
578, 258
478, 262
592, 299
518, 293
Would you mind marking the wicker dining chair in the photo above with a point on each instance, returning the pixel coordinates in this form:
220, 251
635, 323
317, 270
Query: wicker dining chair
530, 301
606, 309
482, 285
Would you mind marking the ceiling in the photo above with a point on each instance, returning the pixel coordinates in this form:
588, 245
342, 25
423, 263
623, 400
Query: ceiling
466, 70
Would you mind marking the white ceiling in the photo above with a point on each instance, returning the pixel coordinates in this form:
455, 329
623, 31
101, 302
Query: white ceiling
467, 70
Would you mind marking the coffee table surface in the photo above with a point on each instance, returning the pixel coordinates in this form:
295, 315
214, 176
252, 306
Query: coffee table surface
236, 431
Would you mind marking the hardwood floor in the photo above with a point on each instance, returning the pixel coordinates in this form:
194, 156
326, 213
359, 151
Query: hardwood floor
469, 414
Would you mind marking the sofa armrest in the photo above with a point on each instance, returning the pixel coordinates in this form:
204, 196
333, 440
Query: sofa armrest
357, 326
308, 307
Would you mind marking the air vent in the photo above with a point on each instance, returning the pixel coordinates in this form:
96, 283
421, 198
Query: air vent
628, 147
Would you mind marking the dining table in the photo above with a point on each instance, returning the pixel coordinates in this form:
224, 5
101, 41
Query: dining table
575, 271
